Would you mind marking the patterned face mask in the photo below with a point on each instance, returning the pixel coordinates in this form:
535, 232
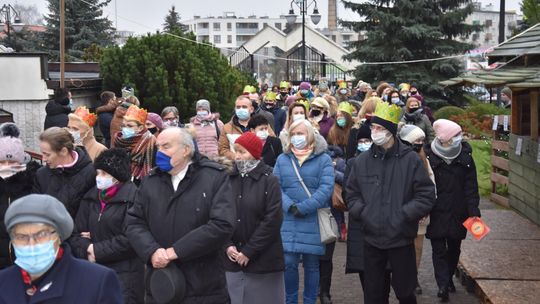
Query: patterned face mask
245, 166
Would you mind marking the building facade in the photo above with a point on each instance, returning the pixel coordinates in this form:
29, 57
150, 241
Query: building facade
488, 17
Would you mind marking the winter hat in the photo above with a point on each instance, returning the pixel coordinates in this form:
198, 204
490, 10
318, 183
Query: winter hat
203, 103
252, 143
387, 116
155, 119
40, 208
364, 132
446, 129
11, 147
116, 162
304, 86
290, 100
411, 133
507, 91
320, 102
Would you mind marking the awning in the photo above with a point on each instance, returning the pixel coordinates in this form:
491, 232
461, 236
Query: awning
512, 76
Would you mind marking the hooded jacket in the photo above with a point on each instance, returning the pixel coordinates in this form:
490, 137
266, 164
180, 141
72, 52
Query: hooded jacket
111, 245
207, 133
196, 220
259, 216
389, 192
457, 194
12, 188
280, 117
57, 114
301, 234
68, 185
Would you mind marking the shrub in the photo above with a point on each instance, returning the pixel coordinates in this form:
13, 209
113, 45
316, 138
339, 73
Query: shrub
448, 111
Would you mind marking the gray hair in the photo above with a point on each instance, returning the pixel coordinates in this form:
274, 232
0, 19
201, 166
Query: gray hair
171, 109
183, 137
310, 132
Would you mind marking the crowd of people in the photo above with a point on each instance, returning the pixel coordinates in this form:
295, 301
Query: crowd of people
159, 211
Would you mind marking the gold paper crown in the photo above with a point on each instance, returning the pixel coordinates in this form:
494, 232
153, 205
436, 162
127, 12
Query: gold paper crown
387, 112
346, 107
84, 114
270, 96
137, 114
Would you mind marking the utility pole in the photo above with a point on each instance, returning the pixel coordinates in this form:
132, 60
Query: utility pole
62, 41
502, 22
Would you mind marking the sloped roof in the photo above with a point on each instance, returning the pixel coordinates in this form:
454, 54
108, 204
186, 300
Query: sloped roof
526, 44
518, 77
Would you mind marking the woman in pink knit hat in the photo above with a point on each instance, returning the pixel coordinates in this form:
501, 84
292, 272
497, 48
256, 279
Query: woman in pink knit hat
457, 199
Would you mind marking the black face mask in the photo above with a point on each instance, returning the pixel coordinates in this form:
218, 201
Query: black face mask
417, 147
413, 92
315, 112
284, 94
153, 130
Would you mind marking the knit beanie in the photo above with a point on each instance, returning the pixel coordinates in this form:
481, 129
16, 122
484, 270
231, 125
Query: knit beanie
388, 125
203, 103
155, 119
116, 162
11, 147
446, 129
507, 91
252, 143
364, 132
411, 133
320, 102
304, 86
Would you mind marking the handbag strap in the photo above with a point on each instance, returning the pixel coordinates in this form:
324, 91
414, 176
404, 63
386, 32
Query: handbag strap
300, 178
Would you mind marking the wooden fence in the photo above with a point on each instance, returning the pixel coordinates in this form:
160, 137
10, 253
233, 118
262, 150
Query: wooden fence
500, 165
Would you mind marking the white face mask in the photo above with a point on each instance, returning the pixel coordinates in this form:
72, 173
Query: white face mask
298, 117
380, 138
262, 135
10, 170
77, 140
103, 183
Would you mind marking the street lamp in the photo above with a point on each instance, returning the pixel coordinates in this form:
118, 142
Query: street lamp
7, 10
291, 19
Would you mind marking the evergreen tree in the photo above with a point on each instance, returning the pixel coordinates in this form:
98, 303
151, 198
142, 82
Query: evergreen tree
402, 30
531, 11
84, 25
172, 22
166, 70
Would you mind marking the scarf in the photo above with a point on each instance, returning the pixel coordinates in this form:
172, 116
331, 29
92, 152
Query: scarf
301, 155
448, 154
208, 120
246, 166
414, 116
105, 196
141, 148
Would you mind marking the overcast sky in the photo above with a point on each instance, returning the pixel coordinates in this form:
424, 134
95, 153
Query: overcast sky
143, 16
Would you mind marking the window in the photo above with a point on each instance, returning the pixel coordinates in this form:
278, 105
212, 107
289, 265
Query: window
346, 37
217, 39
475, 36
229, 26
488, 37
203, 25
278, 26
229, 39
217, 26
489, 23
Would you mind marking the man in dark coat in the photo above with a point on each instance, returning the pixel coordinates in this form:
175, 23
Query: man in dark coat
50, 274
58, 109
457, 199
69, 173
280, 115
389, 190
184, 213
105, 115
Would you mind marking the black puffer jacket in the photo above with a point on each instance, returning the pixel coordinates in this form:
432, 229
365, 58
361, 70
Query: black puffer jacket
111, 245
259, 215
57, 114
68, 185
196, 220
355, 235
11, 189
457, 194
389, 192
271, 150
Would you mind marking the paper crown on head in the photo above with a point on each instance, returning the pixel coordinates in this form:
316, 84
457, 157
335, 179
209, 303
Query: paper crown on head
137, 114
387, 112
346, 107
84, 114
284, 84
270, 96
249, 89
343, 85
404, 86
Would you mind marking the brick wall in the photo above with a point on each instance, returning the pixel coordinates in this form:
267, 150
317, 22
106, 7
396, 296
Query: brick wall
29, 117
524, 179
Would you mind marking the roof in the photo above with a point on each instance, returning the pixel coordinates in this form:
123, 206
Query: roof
526, 44
511, 76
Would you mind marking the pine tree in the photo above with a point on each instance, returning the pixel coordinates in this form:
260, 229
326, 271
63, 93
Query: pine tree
402, 30
172, 22
166, 70
531, 11
84, 25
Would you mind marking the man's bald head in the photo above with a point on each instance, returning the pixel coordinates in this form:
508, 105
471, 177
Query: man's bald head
174, 137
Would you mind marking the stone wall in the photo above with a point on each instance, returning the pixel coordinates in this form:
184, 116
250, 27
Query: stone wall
29, 115
524, 179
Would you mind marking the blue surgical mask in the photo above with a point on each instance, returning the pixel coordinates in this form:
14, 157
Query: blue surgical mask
341, 122
299, 141
202, 114
163, 161
363, 147
304, 92
35, 259
128, 132
456, 140
242, 114
103, 183
395, 100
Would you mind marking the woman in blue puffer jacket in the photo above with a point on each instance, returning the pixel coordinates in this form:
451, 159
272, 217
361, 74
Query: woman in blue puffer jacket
300, 229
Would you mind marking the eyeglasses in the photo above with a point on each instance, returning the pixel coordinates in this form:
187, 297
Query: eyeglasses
39, 237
